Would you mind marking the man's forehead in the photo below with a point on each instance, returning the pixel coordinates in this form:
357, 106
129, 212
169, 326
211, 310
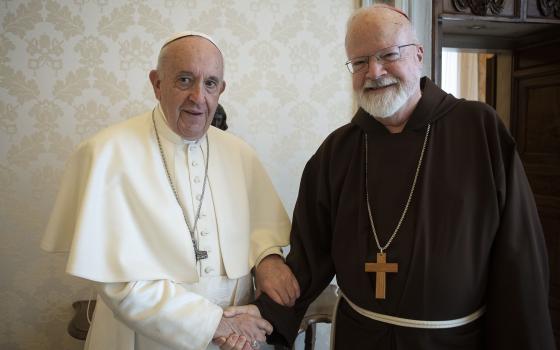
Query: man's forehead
195, 65
374, 28
381, 37
193, 55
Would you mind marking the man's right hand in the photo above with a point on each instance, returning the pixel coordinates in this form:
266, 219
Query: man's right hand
233, 342
247, 324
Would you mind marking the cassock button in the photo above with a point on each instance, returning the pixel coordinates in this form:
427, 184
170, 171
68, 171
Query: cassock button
198, 196
204, 233
196, 179
194, 163
192, 148
202, 214
208, 269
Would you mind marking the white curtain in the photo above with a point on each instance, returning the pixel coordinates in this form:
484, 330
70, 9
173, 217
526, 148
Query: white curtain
463, 74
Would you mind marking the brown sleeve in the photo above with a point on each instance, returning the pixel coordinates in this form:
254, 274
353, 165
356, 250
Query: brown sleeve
310, 253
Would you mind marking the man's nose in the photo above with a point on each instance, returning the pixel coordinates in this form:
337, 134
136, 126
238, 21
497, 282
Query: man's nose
375, 69
196, 93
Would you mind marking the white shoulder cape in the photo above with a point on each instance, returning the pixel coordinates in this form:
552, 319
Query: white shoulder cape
117, 217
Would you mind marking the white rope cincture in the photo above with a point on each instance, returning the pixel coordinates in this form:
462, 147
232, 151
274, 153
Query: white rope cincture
405, 322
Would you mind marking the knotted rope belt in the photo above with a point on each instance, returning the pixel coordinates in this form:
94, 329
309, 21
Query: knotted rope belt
403, 322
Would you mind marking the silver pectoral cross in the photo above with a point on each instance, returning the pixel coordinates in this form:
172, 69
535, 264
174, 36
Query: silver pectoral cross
199, 254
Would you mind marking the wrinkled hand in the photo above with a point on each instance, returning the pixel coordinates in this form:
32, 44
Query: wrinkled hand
275, 278
233, 342
247, 324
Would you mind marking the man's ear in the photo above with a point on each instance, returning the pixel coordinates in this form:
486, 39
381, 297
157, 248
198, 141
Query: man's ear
223, 86
156, 82
420, 53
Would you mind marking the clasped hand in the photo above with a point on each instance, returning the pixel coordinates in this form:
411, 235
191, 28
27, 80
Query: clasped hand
241, 328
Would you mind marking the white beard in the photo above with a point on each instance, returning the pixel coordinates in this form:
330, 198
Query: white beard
386, 104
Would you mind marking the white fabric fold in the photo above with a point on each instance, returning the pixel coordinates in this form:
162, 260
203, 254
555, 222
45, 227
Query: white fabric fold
164, 312
164, 315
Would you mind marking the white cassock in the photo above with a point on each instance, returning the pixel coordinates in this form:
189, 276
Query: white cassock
117, 217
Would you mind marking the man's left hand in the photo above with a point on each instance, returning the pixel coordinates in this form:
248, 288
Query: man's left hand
275, 278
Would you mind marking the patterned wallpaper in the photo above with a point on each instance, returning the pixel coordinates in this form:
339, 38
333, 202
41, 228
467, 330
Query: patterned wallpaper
71, 67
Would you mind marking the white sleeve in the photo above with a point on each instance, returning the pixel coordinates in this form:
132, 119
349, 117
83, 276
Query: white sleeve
163, 311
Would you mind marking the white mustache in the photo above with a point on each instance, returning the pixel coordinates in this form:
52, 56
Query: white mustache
381, 82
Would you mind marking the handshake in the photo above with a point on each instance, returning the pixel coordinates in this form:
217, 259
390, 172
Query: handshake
241, 328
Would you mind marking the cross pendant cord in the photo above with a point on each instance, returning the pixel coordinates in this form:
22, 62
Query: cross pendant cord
381, 249
199, 254
381, 267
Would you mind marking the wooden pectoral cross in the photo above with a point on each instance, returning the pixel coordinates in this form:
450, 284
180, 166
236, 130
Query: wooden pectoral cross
380, 267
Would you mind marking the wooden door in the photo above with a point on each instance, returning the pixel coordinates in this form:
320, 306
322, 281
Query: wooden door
536, 128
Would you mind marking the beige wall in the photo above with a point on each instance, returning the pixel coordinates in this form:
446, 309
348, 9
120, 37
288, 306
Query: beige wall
69, 68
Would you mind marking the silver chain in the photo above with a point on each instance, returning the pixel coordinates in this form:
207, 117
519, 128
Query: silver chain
381, 249
198, 254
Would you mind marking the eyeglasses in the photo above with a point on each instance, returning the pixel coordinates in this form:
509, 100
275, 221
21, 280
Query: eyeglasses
384, 56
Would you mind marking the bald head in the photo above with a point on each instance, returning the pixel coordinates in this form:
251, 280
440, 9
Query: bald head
380, 24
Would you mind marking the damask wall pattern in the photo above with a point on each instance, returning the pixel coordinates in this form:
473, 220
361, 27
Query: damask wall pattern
71, 67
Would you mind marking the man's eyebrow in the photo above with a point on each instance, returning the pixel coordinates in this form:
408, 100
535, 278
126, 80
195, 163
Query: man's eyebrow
183, 72
213, 77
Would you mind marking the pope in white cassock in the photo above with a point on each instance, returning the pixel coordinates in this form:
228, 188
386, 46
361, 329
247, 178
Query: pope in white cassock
168, 215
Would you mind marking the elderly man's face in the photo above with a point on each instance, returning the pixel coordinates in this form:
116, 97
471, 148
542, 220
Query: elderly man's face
189, 84
384, 88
